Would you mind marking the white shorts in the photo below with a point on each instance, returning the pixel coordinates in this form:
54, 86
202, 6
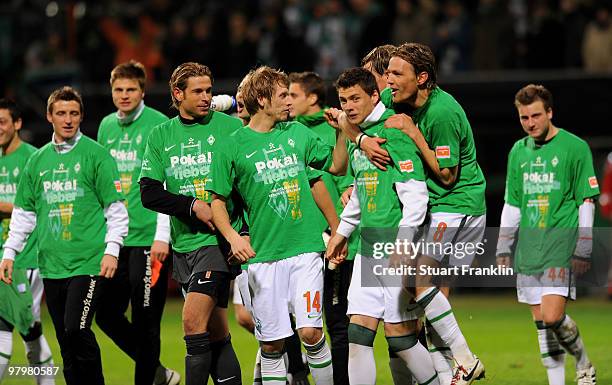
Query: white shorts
554, 281
36, 286
458, 230
391, 303
292, 285
241, 290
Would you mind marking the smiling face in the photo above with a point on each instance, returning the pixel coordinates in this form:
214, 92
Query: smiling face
403, 81
65, 116
535, 120
127, 94
8, 127
356, 103
195, 99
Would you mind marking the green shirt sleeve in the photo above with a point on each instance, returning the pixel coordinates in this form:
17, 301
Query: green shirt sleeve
100, 134
585, 179
107, 183
318, 153
152, 165
404, 155
223, 171
512, 195
445, 138
386, 97
25, 198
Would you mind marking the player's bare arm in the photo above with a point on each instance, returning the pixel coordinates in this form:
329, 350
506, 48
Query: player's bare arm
404, 123
6, 210
108, 266
326, 205
6, 271
240, 246
203, 212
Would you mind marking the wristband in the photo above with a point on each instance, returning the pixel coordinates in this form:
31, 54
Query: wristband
359, 138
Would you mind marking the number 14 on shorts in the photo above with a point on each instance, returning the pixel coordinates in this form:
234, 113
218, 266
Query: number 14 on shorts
312, 302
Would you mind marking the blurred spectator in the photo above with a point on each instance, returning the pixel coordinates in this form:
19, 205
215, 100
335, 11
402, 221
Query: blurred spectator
413, 22
239, 55
178, 46
493, 35
597, 46
545, 41
452, 42
370, 26
574, 22
135, 38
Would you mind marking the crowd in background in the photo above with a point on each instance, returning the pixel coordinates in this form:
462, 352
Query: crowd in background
83, 39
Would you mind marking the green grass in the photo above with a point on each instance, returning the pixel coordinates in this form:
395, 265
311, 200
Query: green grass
497, 328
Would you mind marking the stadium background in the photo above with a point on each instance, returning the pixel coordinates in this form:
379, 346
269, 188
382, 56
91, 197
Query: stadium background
486, 51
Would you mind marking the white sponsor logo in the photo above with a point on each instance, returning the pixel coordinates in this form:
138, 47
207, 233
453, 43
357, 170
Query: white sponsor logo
43, 172
251, 154
169, 148
200, 282
87, 304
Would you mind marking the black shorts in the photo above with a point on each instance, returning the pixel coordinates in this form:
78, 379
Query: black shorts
215, 284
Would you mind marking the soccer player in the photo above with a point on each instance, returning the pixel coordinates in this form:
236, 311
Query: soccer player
70, 191
307, 104
394, 197
140, 279
456, 193
549, 199
266, 164
182, 152
20, 306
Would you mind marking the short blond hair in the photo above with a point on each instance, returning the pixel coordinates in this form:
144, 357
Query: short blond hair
65, 93
130, 70
260, 83
181, 75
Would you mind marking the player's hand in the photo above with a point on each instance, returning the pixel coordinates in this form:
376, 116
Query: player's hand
241, 250
6, 271
108, 266
203, 212
580, 265
160, 250
376, 154
503, 260
403, 123
337, 249
346, 196
331, 115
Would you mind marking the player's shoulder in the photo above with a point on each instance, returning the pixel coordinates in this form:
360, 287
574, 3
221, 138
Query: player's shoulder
154, 115
444, 106
221, 117
27, 148
571, 138
108, 120
91, 145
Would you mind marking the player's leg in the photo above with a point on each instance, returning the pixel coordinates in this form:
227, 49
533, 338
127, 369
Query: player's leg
268, 285
82, 296
241, 311
224, 368
306, 291
297, 371
6, 344
36, 345
335, 305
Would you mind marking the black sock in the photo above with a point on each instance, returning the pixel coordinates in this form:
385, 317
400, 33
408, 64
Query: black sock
225, 367
293, 347
197, 360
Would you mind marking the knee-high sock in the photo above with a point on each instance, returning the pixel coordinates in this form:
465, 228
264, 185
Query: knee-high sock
568, 336
6, 350
399, 370
273, 369
225, 367
320, 362
198, 359
361, 364
416, 357
440, 314
552, 354
441, 355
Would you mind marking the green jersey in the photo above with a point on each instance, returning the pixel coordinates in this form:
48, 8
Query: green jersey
16, 304
11, 169
447, 132
548, 183
378, 200
126, 143
68, 192
317, 123
269, 171
182, 156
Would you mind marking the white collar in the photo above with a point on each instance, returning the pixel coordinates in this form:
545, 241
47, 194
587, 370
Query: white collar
132, 116
374, 116
66, 146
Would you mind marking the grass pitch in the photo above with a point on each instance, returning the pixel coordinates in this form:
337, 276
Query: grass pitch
497, 328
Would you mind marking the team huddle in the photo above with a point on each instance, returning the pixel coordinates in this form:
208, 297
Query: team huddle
285, 200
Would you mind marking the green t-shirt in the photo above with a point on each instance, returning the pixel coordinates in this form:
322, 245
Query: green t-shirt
182, 156
317, 123
378, 200
126, 143
548, 183
68, 192
269, 172
448, 132
16, 304
11, 169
